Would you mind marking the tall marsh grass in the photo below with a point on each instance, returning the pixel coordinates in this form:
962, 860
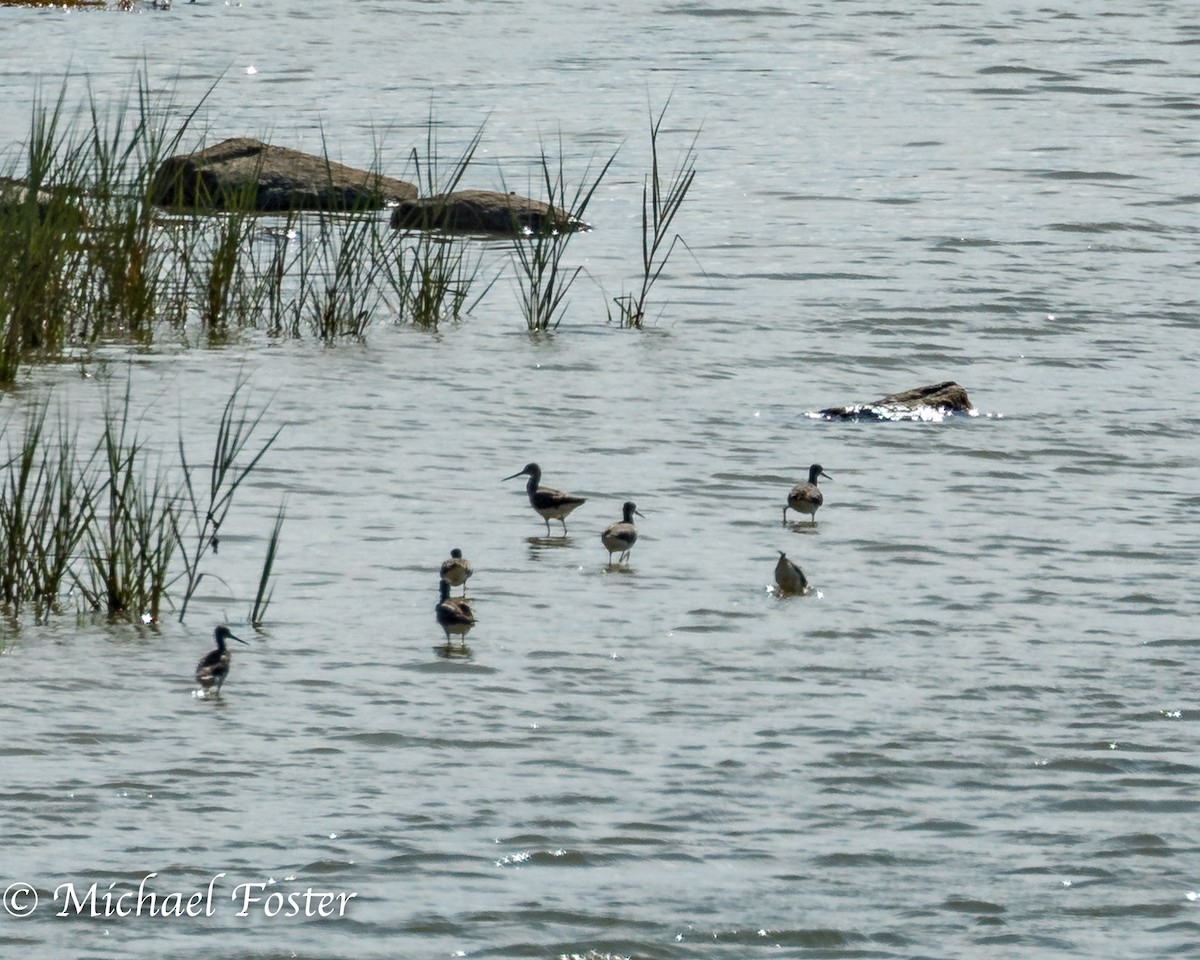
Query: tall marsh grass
196, 521
543, 279
111, 527
434, 270
663, 195
86, 255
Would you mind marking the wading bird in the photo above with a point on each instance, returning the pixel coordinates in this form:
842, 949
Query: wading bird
621, 536
789, 577
806, 497
213, 667
550, 504
453, 613
456, 571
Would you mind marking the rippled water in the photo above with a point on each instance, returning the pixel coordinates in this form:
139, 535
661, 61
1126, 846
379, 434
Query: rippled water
977, 740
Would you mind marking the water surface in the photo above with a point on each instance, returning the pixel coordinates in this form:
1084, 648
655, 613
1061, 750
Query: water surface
976, 740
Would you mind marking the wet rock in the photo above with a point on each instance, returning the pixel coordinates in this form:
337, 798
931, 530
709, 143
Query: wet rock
15, 193
248, 174
933, 402
482, 211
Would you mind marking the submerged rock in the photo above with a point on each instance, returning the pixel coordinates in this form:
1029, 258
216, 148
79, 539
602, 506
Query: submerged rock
933, 402
482, 211
246, 174
14, 194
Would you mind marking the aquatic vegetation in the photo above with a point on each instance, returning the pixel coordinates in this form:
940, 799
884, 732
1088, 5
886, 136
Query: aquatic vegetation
46, 507
130, 546
262, 598
662, 197
126, 271
108, 527
81, 250
201, 515
434, 271
41, 246
87, 254
543, 278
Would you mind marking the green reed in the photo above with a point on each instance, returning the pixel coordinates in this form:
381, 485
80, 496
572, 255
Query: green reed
46, 505
130, 549
87, 255
126, 268
196, 520
662, 198
110, 524
42, 245
538, 254
434, 271
262, 599
82, 252
222, 274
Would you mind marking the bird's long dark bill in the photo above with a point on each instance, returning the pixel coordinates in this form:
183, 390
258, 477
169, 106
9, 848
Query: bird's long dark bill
515, 475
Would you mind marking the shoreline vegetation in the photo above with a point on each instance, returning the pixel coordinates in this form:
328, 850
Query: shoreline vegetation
89, 252
106, 528
90, 255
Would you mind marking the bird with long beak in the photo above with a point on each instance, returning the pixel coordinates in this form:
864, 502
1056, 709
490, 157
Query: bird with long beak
807, 497
213, 667
621, 536
550, 504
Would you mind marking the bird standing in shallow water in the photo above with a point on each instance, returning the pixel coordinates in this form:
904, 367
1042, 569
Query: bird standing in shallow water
456, 571
550, 504
213, 667
453, 613
806, 497
789, 577
623, 535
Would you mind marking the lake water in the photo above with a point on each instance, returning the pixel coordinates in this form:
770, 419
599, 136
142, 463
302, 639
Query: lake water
978, 738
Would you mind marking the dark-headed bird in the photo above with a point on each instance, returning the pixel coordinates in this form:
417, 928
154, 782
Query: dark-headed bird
620, 537
213, 667
456, 571
550, 504
453, 613
806, 497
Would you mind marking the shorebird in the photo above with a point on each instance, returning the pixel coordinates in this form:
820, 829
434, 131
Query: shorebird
454, 614
806, 497
550, 504
456, 571
623, 535
213, 667
789, 577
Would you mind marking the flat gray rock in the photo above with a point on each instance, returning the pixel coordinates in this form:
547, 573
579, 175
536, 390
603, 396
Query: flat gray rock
482, 211
248, 174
